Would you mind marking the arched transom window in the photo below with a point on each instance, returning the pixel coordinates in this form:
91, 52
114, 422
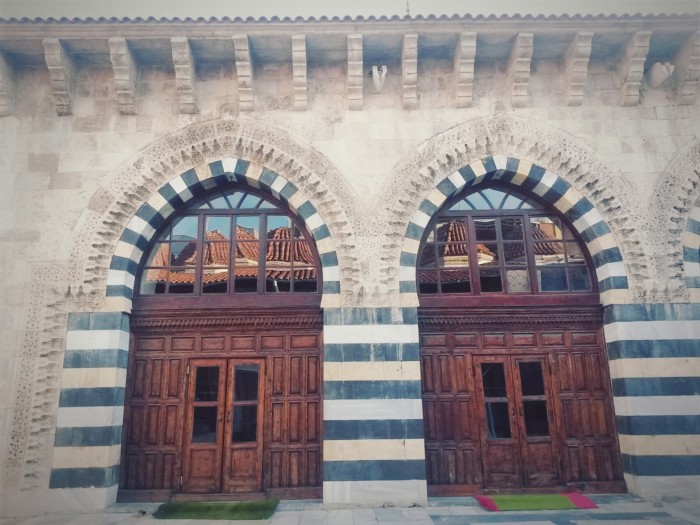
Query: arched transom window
231, 242
498, 241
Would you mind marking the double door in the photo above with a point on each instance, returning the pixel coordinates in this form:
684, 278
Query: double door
223, 446
517, 422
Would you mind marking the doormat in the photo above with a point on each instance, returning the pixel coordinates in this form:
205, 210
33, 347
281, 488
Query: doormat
570, 500
217, 510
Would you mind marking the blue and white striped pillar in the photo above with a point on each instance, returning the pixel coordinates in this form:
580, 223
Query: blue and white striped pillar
373, 447
87, 447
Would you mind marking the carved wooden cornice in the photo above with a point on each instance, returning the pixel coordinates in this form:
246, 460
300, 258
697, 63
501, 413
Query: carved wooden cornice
243, 320
452, 319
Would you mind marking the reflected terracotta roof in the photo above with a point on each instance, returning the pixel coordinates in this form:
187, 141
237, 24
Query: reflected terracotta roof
217, 253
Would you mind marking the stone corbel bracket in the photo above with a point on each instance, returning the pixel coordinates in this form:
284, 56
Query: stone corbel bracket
62, 75
409, 71
631, 68
576, 68
687, 70
464, 70
244, 72
299, 72
518, 68
184, 74
7, 88
125, 74
355, 72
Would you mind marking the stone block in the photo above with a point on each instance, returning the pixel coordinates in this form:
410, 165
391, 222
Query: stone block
42, 162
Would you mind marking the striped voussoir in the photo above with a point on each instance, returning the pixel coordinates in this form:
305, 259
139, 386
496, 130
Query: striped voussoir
373, 448
654, 353
91, 402
532, 178
691, 253
192, 184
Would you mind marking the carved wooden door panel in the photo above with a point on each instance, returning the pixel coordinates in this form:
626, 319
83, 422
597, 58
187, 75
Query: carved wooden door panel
243, 443
500, 432
206, 405
223, 433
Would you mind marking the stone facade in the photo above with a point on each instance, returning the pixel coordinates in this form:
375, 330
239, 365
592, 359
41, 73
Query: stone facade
105, 129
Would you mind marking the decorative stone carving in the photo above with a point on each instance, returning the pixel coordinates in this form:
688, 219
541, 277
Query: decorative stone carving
576, 68
299, 72
631, 68
7, 88
125, 74
464, 70
62, 72
244, 72
418, 173
518, 68
184, 74
98, 230
687, 70
355, 72
673, 200
409, 71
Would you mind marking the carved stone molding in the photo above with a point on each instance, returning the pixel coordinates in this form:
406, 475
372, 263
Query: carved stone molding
674, 198
518, 68
465, 319
7, 88
576, 68
355, 72
244, 72
62, 72
125, 74
242, 320
114, 203
631, 68
423, 168
687, 70
184, 74
409, 71
464, 70
299, 72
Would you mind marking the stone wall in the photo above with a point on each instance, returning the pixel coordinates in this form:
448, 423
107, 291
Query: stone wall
73, 184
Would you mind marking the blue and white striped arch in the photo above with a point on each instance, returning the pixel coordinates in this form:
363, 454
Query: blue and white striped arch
85, 464
602, 245
190, 185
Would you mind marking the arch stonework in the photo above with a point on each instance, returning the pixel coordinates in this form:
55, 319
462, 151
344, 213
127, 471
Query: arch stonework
602, 245
196, 147
526, 143
674, 223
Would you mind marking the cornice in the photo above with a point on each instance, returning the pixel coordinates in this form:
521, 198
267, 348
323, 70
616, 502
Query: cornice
243, 320
454, 319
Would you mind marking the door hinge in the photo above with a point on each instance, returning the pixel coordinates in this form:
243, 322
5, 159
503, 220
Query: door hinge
187, 372
181, 481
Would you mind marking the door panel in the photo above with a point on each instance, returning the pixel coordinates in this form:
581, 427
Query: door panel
206, 405
243, 447
558, 406
499, 429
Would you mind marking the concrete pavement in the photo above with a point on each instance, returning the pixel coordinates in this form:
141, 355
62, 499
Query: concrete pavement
613, 510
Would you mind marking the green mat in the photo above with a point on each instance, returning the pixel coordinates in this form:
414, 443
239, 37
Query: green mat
527, 502
224, 510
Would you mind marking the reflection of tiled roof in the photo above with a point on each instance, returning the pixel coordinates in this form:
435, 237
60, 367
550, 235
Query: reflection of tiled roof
455, 234
516, 250
217, 253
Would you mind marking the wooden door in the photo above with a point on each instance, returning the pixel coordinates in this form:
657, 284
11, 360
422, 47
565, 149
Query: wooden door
500, 448
243, 444
223, 430
517, 441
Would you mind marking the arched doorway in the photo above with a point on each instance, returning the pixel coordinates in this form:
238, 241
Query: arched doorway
516, 388
223, 389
